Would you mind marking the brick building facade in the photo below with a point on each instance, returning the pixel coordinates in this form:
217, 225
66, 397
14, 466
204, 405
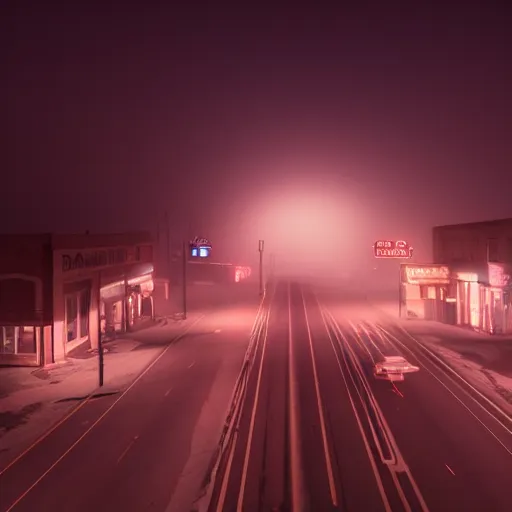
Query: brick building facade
479, 256
51, 286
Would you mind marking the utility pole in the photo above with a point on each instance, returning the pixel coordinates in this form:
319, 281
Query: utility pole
126, 311
168, 244
184, 278
400, 291
260, 248
100, 341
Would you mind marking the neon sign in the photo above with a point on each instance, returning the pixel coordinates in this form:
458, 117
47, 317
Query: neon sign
427, 275
200, 248
497, 276
392, 249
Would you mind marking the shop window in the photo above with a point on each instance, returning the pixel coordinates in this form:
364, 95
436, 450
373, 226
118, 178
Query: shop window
132, 311
71, 317
474, 304
428, 292
77, 315
146, 307
114, 316
84, 312
8, 345
18, 340
27, 340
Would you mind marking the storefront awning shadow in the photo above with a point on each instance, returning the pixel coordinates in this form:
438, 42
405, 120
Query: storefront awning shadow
81, 398
83, 351
166, 340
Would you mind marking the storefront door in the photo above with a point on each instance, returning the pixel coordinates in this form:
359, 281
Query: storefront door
474, 305
497, 311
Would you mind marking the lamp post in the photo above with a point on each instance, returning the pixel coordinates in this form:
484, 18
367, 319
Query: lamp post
184, 278
100, 341
260, 248
400, 291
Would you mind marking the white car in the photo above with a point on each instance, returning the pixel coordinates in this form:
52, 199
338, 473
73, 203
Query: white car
393, 368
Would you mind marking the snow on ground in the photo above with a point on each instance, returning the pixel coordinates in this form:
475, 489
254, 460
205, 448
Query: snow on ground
484, 360
495, 386
32, 401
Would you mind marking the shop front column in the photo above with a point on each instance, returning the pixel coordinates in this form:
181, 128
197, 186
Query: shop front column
59, 322
94, 313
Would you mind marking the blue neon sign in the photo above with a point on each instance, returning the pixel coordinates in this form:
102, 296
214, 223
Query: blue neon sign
200, 248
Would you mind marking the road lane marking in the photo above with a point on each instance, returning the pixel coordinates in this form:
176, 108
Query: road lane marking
453, 372
261, 334
241, 491
259, 329
360, 342
461, 402
450, 469
397, 391
395, 463
76, 408
328, 462
297, 478
118, 399
370, 338
399, 465
125, 451
366, 443
384, 340
342, 340
238, 408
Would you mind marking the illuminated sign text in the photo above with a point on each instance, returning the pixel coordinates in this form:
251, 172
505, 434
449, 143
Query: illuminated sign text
392, 249
427, 275
497, 276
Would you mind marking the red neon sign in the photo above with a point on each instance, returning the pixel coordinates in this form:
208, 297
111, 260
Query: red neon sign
497, 276
392, 249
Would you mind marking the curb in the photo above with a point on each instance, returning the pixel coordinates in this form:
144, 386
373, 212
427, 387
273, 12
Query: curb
75, 408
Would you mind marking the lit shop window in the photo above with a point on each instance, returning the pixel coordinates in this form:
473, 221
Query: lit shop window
428, 292
17, 340
77, 315
84, 301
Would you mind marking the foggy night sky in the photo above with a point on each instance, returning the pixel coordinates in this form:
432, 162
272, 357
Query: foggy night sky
400, 118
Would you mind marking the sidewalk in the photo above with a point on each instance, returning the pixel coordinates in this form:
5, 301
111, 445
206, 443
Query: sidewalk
31, 401
484, 360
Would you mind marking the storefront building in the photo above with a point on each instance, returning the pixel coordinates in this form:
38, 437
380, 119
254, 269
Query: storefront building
57, 292
425, 292
25, 298
483, 299
479, 256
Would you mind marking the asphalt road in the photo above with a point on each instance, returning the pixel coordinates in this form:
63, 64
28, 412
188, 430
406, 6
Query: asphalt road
148, 449
319, 432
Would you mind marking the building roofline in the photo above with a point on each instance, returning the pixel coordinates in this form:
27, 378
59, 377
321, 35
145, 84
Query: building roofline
80, 240
90, 240
483, 223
